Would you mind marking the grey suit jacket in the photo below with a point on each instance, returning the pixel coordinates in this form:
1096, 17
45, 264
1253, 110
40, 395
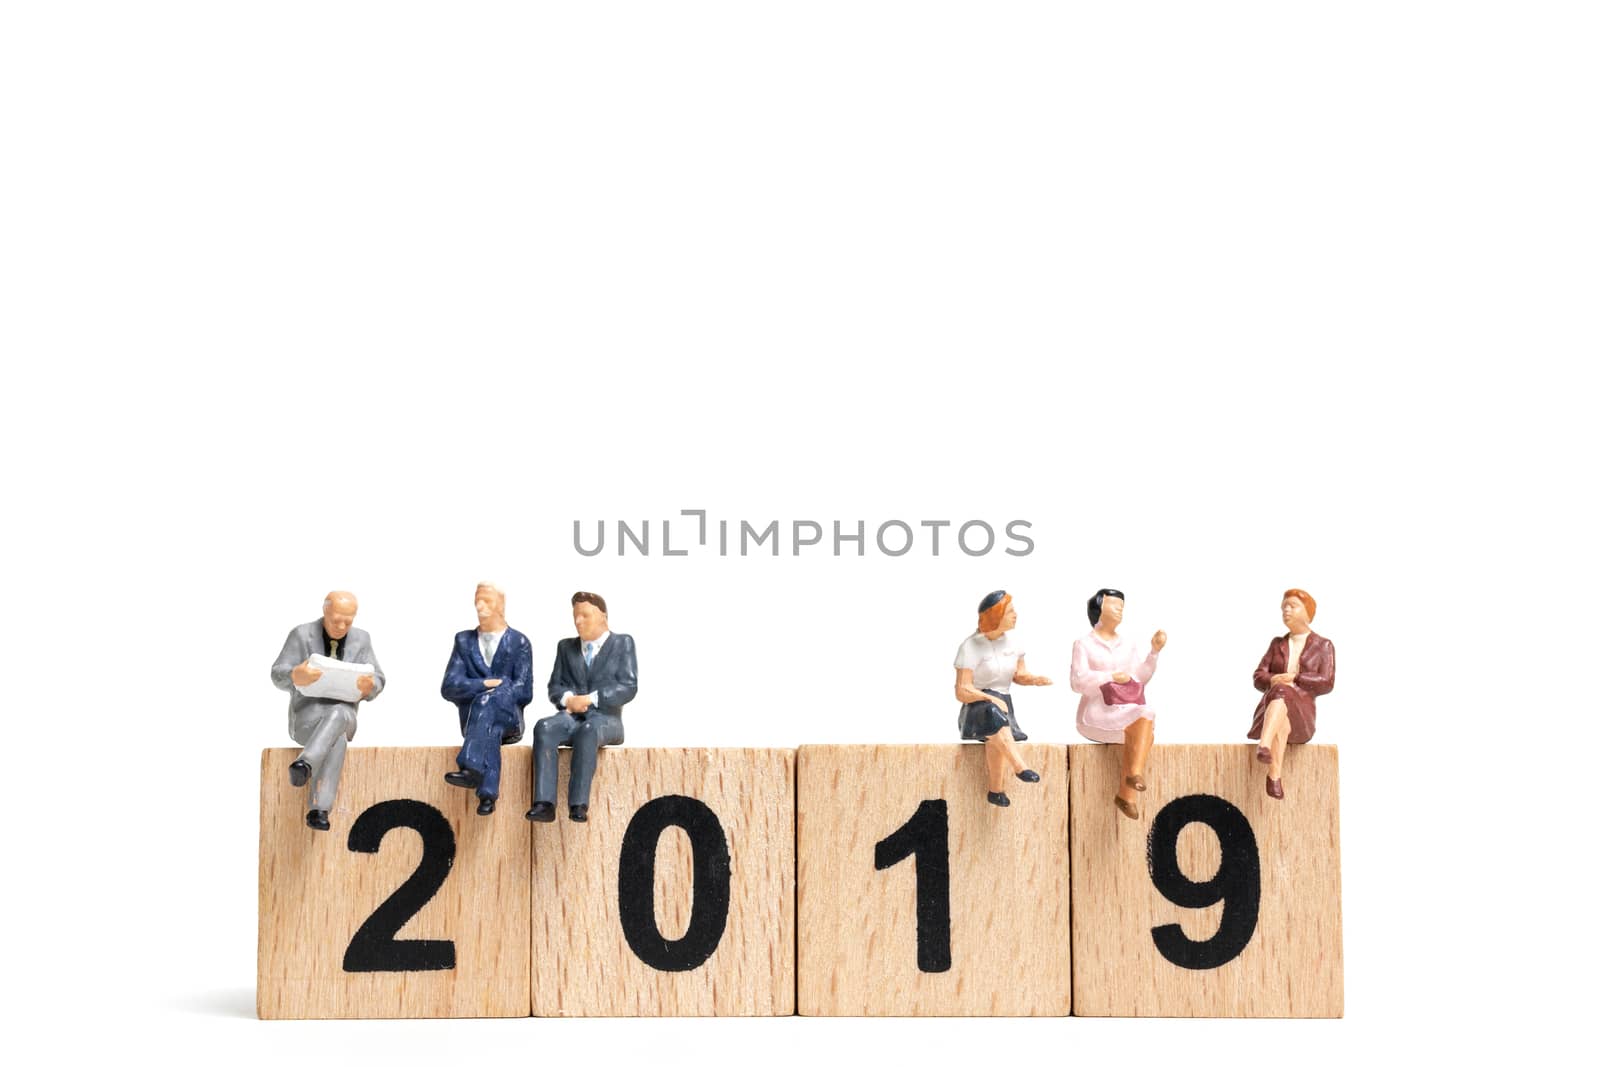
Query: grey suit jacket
614, 676
305, 641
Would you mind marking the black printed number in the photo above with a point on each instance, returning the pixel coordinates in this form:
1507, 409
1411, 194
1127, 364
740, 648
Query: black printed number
374, 948
1237, 882
926, 835
636, 883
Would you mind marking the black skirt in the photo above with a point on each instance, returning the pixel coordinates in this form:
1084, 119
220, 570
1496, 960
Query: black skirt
984, 718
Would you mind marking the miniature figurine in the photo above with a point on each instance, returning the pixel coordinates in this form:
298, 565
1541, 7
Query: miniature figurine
490, 680
327, 667
595, 674
1297, 668
987, 664
1111, 673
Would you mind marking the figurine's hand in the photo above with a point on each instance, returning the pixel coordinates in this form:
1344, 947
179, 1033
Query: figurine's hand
305, 674
577, 704
1120, 676
1159, 641
491, 683
1039, 679
364, 683
1283, 679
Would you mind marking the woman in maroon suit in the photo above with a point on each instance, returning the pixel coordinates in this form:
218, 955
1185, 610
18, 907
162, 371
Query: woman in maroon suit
1297, 668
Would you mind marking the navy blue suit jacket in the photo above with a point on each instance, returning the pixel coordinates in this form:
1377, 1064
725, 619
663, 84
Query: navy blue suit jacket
513, 664
614, 675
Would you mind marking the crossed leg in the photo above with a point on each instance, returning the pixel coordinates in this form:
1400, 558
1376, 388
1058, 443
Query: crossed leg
1137, 738
1275, 739
1001, 757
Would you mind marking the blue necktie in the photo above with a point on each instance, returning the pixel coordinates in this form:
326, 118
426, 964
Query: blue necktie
588, 653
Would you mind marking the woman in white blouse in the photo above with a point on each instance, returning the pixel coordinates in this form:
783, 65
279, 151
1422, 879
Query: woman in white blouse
987, 664
1111, 671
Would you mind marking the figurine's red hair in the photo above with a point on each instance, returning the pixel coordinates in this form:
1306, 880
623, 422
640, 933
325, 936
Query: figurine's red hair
989, 621
1304, 598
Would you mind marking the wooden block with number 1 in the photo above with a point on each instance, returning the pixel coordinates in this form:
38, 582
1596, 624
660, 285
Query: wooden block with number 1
1219, 900
919, 897
411, 906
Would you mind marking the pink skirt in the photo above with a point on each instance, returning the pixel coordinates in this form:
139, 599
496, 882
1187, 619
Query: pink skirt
1105, 722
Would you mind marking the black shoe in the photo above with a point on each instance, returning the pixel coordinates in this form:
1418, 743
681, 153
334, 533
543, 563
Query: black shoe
578, 813
299, 773
1028, 776
511, 738
1000, 800
486, 805
542, 811
1018, 735
317, 820
465, 779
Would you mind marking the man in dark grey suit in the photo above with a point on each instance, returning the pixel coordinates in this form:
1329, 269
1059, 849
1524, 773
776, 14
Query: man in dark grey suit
323, 725
595, 674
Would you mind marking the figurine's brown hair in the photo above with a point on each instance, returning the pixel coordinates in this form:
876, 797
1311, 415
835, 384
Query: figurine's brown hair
590, 598
989, 621
1304, 598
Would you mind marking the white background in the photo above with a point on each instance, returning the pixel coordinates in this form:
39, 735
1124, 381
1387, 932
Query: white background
1220, 297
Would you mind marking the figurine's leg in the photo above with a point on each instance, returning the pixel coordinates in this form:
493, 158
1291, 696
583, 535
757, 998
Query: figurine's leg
548, 735
1127, 798
1275, 734
325, 780
585, 751
480, 747
334, 726
490, 786
1137, 740
994, 758
1008, 747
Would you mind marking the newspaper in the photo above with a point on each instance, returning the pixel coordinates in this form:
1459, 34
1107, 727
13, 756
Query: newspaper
338, 681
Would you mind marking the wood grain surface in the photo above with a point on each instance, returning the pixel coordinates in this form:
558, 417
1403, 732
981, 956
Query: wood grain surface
1292, 964
1009, 937
315, 893
582, 964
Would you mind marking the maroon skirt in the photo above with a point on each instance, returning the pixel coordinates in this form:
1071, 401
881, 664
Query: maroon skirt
1302, 707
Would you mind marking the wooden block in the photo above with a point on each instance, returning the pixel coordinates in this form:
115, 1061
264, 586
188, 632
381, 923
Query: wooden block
969, 913
1268, 944
708, 931
452, 884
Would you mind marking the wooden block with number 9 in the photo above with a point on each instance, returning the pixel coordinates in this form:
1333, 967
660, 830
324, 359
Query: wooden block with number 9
411, 906
919, 897
1219, 900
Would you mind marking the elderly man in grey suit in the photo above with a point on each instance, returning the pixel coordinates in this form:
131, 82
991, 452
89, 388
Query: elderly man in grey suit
323, 725
596, 673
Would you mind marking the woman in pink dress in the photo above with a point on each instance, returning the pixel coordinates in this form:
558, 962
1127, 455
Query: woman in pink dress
1111, 672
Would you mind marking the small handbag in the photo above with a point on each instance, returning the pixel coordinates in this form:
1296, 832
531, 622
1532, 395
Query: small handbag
1129, 692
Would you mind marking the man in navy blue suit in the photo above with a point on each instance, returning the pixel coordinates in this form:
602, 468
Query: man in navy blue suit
596, 673
490, 681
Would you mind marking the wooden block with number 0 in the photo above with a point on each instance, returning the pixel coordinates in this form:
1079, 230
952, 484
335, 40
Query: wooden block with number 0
411, 906
919, 897
677, 896
1219, 901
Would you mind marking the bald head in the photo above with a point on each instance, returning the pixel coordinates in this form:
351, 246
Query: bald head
338, 612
